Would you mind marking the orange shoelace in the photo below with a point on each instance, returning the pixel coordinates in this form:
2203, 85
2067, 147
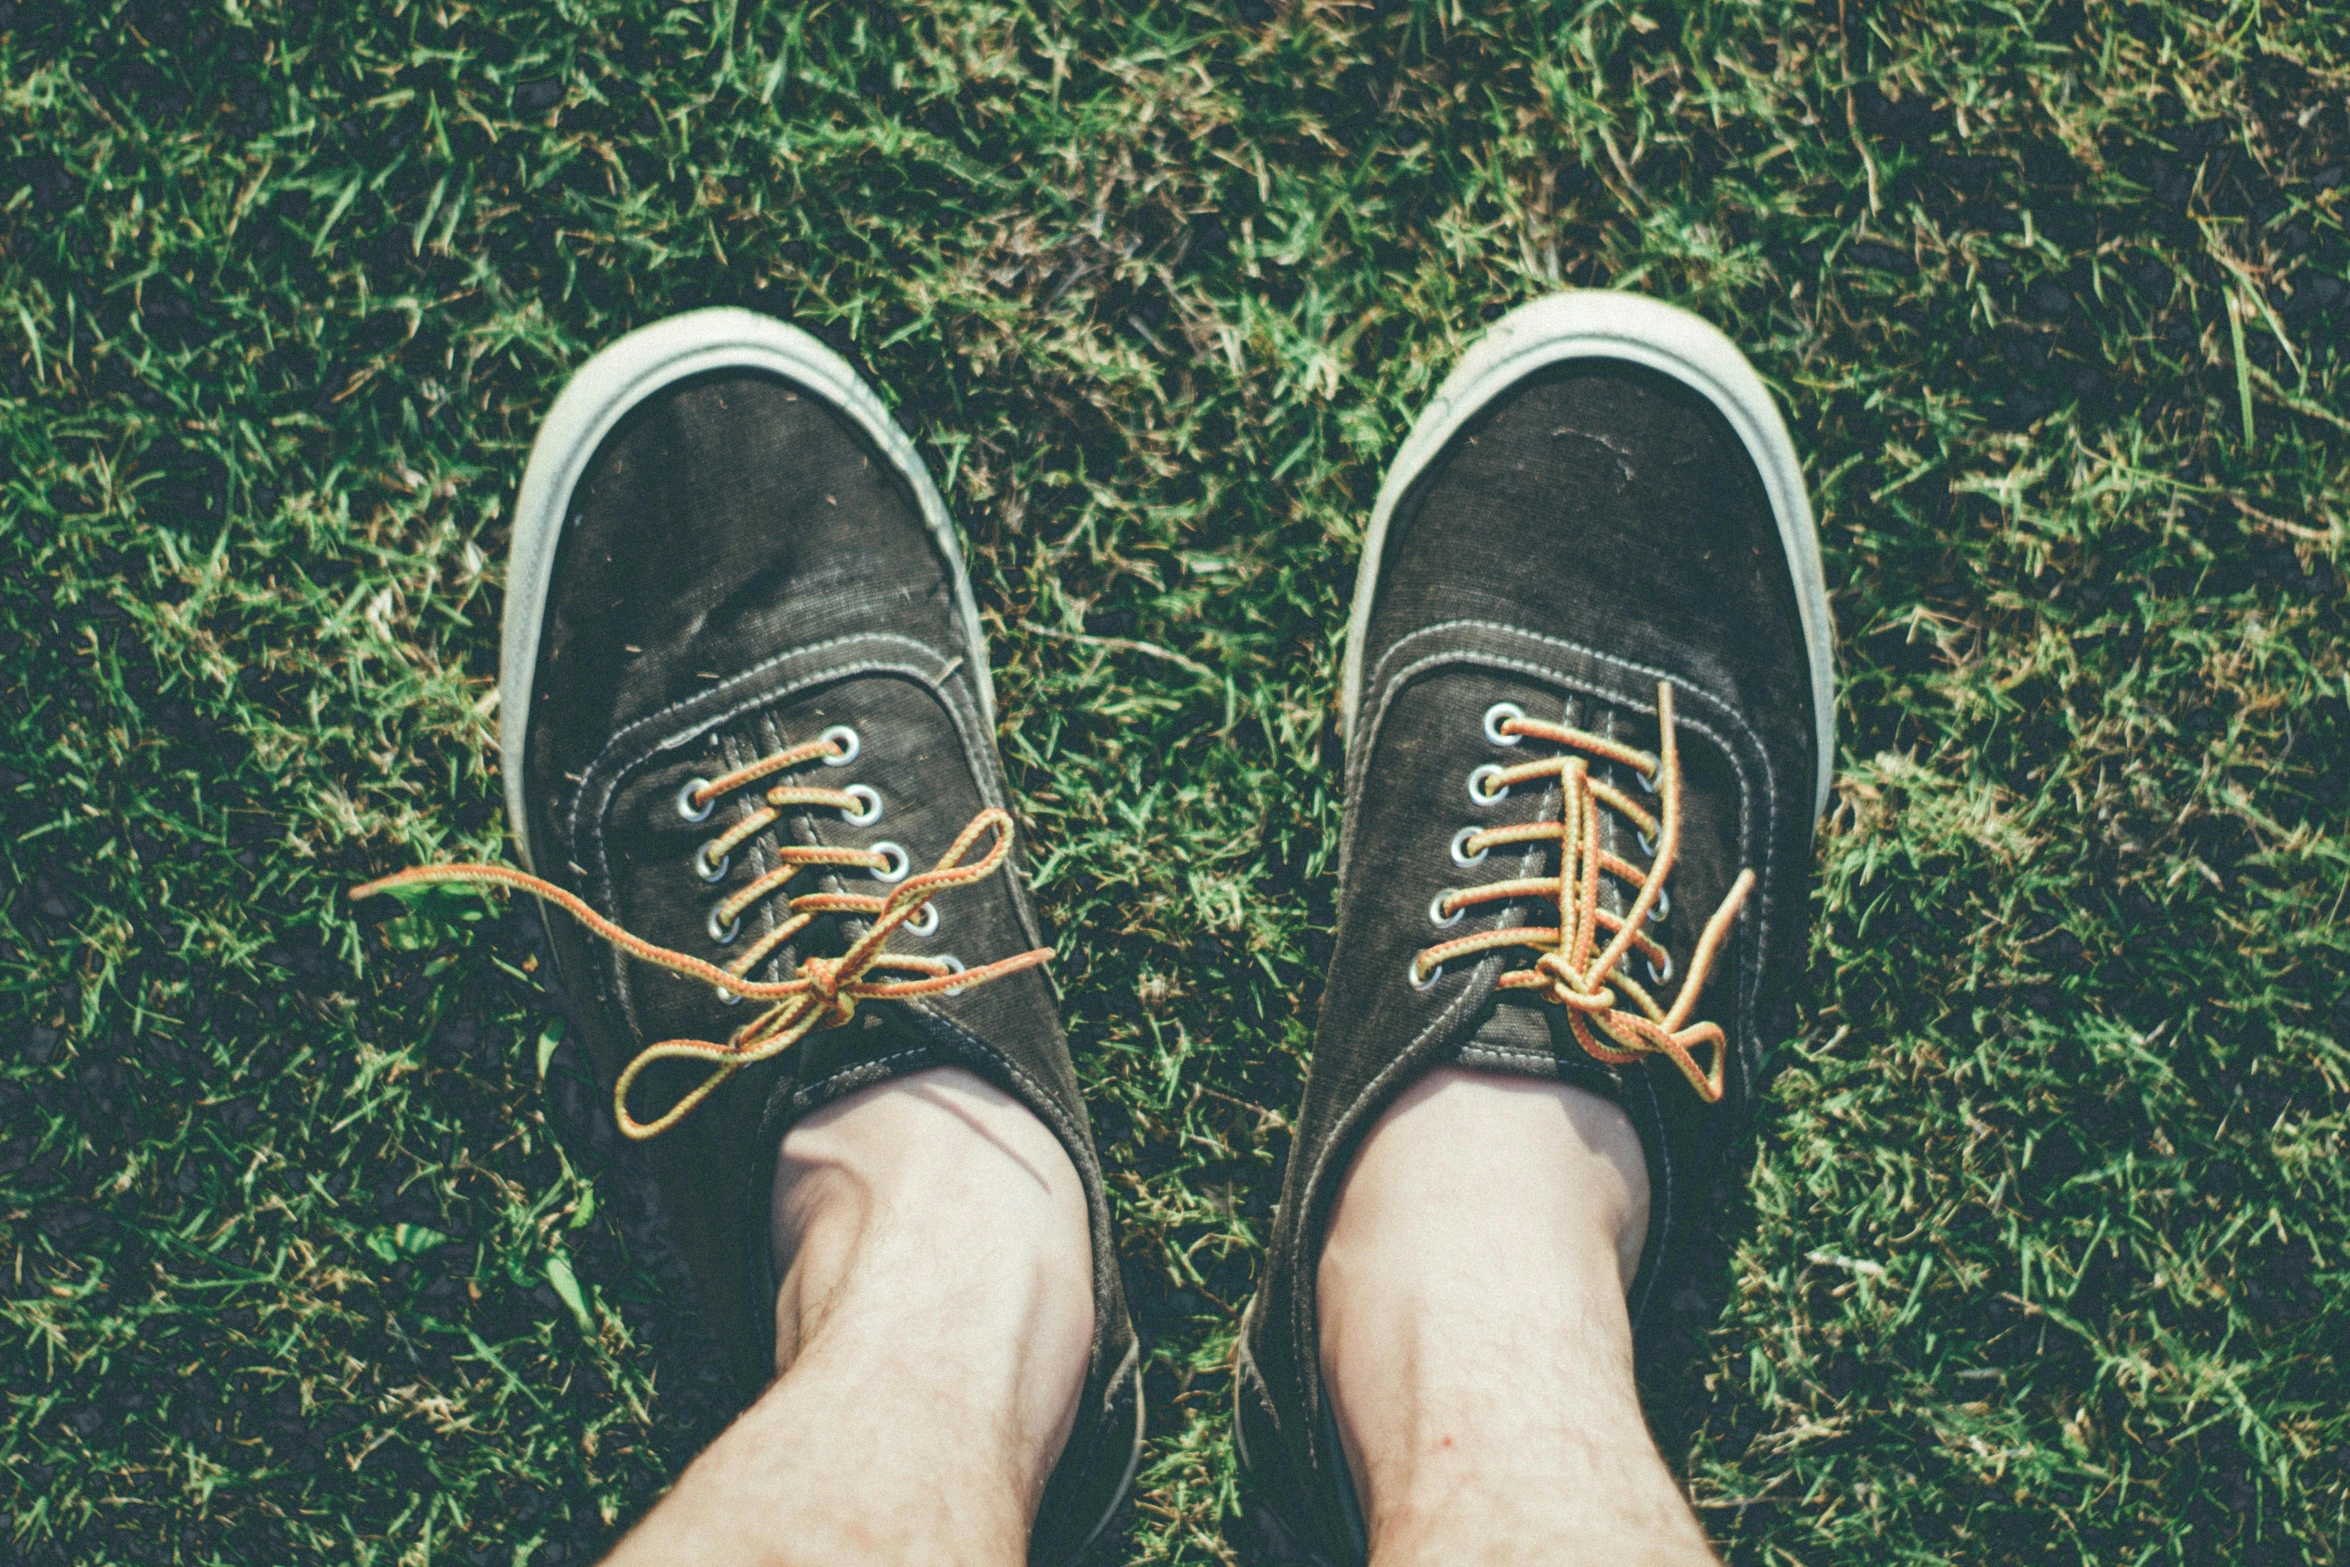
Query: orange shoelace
1575, 969
823, 992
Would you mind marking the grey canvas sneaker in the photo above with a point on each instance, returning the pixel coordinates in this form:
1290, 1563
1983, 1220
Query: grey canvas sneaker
749, 743
1588, 699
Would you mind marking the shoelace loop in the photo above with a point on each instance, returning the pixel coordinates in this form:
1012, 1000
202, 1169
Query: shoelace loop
1574, 966
822, 992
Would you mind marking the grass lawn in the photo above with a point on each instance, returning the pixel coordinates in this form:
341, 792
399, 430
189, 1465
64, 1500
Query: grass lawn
312, 1244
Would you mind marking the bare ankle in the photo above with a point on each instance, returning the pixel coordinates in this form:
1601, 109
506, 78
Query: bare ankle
1465, 1156
937, 1210
933, 1329
933, 1325
1475, 1340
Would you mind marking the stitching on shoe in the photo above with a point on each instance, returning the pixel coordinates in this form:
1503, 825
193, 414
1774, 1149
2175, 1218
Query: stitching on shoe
733, 754
604, 777
609, 774
811, 1095
1653, 674
1387, 687
1580, 962
1752, 979
751, 674
605, 781
938, 676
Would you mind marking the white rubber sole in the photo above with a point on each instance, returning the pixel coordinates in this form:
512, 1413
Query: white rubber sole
1603, 324
598, 396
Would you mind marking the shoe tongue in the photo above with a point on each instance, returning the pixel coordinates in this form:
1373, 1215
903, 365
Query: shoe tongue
1510, 1030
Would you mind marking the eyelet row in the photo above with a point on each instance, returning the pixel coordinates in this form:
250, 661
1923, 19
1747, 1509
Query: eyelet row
898, 864
1483, 794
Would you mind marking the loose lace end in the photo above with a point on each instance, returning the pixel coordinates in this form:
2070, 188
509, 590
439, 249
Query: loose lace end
822, 993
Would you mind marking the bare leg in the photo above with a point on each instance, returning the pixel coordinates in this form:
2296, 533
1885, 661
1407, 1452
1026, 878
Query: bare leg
931, 1338
1474, 1335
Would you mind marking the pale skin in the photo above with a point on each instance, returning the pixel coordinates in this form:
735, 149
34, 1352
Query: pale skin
931, 1339
1475, 1340
937, 1310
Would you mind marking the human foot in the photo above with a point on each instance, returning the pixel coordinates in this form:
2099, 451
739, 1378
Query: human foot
749, 740
1588, 700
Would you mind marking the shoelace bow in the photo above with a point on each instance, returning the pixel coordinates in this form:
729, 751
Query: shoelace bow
823, 992
1575, 969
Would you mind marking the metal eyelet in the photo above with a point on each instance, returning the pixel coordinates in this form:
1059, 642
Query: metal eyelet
956, 965
727, 997
923, 921
1478, 794
1441, 920
707, 871
846, 738
1429, 983
1647, 844
1656, 978
724, 936
1648, 783
1661, 907
872, 811
1460, 847
685, 801
1497, 715
901, 861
